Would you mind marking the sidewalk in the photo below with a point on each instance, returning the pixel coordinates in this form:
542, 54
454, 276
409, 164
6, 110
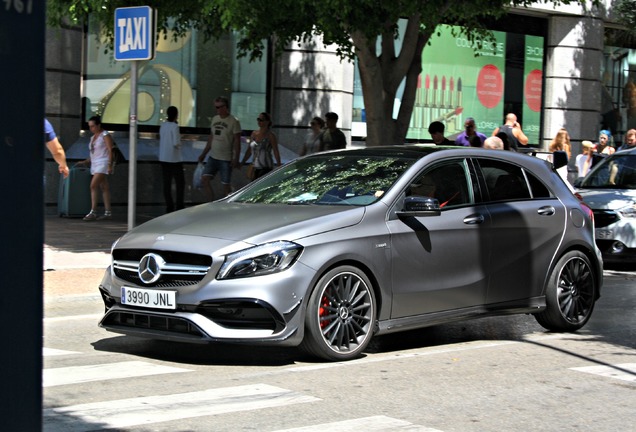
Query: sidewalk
77, 252
72, 243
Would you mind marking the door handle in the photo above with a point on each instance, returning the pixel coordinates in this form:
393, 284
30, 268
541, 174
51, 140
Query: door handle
546, 211
474, 219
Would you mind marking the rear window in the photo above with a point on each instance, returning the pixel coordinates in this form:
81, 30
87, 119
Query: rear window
508, 182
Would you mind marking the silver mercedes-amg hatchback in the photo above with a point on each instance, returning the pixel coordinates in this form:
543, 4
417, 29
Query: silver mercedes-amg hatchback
336, 247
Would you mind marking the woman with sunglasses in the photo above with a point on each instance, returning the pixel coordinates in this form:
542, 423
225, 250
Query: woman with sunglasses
263, 143
100, 160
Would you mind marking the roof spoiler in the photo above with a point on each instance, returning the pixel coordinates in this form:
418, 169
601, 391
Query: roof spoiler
558, 159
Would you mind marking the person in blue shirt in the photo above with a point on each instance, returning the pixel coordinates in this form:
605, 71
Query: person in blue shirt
56, 149
463, 139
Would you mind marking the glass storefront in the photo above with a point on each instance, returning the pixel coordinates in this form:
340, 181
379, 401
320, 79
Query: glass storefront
459, 81
188, 73
618, 101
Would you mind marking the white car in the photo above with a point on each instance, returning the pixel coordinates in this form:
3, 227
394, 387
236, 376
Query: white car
610, 190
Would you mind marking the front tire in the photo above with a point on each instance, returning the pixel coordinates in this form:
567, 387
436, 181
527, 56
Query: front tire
340, 315
570, 294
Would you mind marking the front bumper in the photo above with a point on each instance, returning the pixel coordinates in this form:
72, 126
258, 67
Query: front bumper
258, 310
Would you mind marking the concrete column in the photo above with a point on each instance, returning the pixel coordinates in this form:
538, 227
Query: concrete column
573, 79
309, 80
64, 82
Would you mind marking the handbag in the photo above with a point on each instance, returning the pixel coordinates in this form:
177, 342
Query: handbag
118, 156
196, 177
251, 172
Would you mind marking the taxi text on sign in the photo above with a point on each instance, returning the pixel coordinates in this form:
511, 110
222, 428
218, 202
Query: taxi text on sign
134, 33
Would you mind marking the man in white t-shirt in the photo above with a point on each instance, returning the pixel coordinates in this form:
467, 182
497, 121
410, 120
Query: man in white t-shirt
225, 143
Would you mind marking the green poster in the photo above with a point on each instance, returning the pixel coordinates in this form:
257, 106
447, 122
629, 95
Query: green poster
459, 79
532, 91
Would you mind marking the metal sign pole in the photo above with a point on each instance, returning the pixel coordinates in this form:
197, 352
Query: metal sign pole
132, 167
135, 36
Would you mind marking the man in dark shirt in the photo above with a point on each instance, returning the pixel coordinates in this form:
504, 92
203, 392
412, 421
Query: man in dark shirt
512, 128
436, 129
332, 138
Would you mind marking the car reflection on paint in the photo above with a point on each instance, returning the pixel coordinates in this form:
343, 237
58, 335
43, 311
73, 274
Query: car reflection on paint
610, 190
334, 248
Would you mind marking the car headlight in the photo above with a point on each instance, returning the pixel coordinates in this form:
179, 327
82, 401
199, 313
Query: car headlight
260, 260
628, 212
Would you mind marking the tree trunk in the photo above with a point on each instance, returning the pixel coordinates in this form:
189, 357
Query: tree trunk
381, 76
379, 125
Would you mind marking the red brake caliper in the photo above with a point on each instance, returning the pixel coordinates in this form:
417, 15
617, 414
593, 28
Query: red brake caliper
323, 312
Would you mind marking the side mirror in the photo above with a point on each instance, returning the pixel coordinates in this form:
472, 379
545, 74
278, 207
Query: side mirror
420, 206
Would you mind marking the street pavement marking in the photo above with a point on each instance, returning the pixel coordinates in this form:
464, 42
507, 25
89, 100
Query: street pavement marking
623, 372
154, 409
50, 352
82, 374
367, 424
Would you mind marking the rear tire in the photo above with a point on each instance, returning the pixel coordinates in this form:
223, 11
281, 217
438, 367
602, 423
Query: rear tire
570, 294
340, 315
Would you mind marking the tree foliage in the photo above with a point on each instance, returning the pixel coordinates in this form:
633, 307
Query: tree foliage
355, 27
625, 10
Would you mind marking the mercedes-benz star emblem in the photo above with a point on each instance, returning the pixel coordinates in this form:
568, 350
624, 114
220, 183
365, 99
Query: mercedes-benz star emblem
150, 268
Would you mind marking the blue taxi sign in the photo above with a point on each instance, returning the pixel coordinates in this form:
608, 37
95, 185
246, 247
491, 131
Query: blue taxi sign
134, 33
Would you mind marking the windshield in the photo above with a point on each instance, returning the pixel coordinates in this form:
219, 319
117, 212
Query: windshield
615, 172
328, 180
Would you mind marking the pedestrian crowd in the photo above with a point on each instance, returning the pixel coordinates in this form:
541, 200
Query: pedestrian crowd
510, 136
221, 154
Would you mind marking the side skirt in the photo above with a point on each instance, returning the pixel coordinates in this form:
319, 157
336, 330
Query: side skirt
529, 306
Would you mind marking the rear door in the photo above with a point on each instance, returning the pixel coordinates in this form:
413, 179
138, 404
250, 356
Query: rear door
527, 226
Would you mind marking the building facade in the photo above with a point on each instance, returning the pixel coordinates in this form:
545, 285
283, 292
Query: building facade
553, 67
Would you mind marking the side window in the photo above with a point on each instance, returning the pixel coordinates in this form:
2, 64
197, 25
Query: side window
539, 190
446, 182
504, 181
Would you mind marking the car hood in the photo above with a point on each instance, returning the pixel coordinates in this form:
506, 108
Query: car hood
249, 223
608, 199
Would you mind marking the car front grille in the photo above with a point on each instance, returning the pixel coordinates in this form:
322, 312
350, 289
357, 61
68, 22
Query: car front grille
180, 269
158, 323
603, 218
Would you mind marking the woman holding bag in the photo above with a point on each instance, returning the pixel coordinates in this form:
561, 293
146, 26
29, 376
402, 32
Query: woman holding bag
101, 162
263, 143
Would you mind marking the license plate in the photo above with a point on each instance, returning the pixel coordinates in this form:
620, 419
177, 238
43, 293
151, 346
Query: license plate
156, 299
604, 234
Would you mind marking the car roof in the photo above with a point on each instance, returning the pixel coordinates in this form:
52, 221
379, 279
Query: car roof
418, 151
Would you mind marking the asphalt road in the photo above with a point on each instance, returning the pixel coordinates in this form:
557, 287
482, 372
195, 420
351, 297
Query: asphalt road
494, 374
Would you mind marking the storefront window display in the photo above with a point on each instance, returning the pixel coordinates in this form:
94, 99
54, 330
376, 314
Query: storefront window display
188, 73
459, 80
618, 102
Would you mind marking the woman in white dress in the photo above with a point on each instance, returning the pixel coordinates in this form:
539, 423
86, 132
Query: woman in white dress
100, 160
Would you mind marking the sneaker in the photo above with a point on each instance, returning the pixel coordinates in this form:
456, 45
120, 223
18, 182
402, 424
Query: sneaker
92, 216
105, 216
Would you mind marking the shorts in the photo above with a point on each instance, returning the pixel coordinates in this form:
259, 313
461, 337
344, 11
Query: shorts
213, 166
99, 166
